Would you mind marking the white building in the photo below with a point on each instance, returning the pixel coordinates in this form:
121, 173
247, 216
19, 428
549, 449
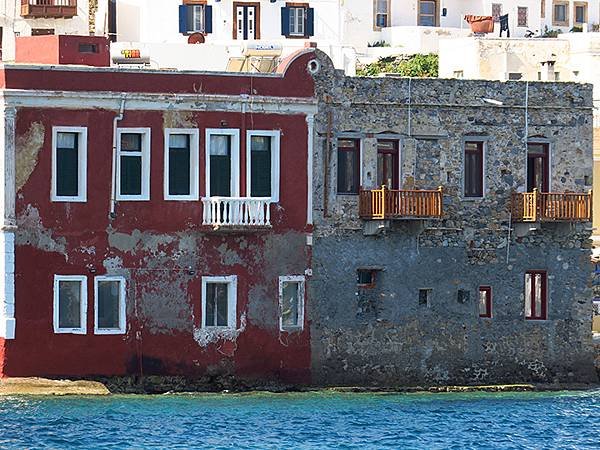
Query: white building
36, 17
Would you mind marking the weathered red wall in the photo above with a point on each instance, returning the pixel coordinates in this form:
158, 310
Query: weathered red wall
153, 243
61, 49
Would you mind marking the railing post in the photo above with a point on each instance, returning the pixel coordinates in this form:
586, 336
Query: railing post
383, 200
536, 206
440, 200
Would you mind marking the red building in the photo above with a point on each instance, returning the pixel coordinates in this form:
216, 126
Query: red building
155, 223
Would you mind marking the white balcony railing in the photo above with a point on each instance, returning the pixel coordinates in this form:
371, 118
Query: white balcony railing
236, 211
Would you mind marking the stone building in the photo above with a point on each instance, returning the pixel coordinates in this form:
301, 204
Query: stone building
462, 268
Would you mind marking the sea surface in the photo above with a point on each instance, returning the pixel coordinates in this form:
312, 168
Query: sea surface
566, 420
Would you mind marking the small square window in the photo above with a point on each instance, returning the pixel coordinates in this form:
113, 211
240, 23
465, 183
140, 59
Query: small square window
88, 48
365, 278
463, 296
515, 76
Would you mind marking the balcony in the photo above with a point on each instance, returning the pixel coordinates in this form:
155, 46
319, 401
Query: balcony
236, 212
32, 9
379, 204
551, 207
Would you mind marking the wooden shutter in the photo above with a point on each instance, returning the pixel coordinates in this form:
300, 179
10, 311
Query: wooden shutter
310, 21
207, 19
285, 21
183, 19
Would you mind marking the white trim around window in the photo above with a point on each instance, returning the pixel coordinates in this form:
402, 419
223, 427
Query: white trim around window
145, 164
82, 329
235, 158
81, 165
121, 328
301, 280
231, 282
194, 135
275, 136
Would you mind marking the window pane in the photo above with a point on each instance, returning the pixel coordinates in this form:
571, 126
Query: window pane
66, 140
427, 7
179, 165
538, 295
473, 169
382, 6
260, 166
348, 166
220, 145
528, 295
108, 304
131, 142
67, 171
69, 304
198, 18
216, 304
290, 303
131, 175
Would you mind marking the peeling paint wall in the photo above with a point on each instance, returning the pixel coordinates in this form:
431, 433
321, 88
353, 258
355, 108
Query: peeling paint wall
162, 250
384, 336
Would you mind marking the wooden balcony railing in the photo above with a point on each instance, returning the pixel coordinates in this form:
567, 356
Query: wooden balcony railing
549, 206
400, 204
48, 8
236, 211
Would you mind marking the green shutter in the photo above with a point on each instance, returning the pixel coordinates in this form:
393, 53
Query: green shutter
220, 176
260, 173
131, 175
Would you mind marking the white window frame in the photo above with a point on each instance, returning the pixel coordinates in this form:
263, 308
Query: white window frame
235, 158
297, 279
194, 135
81, 165
122, 305
294, 12
83, 306
231, 281
145, 156
275, 136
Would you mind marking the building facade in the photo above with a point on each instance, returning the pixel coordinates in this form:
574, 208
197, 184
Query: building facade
156, 224
439, 256
40, 17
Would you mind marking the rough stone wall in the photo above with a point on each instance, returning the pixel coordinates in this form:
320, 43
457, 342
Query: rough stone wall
384, 336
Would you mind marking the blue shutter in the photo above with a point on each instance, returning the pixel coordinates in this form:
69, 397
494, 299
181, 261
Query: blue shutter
183, 19
208, 19
310, 21
285, 21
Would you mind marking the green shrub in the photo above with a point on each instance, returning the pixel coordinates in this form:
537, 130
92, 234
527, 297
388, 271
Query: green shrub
418, 66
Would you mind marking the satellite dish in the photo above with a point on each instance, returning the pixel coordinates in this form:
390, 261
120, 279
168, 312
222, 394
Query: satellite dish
196, 38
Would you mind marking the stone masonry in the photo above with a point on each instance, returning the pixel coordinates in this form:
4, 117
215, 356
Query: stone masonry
385, 336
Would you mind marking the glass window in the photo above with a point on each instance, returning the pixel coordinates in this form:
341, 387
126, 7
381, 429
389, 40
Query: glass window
560, 14
425, 297
197, 18
522, 16
366, 278
110, 305
291, 302
580, 14
348, 166
220, 165
179, 164
70, 304
67, 165
133, 165
260, 166
427, 13
297, 20
485, 301
381, 13
473, 169
216, 304
536, 295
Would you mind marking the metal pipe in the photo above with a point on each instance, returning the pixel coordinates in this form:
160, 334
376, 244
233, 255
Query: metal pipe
113, 191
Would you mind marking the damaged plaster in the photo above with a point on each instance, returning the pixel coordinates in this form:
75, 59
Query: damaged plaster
32, 232
28, 147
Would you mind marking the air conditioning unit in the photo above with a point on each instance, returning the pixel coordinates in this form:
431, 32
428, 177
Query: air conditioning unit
254, 49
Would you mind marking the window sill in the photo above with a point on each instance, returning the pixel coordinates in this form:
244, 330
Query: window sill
132, 199
218, 328
68, 199
182, 198
297, 329
70, 331
472, 199
108, 332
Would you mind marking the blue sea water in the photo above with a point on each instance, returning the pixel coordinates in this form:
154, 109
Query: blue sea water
305, 420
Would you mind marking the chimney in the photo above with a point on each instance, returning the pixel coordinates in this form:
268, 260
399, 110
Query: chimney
548, 71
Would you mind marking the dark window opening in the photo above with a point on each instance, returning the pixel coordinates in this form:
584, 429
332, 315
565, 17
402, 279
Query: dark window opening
179, 164
387, 163
485, 301
260, 166
220, 165
216, 305
473, 169
463, 296
88, 48
538, 169
131, 164
348, 166
67, 164
425, 297
366, 278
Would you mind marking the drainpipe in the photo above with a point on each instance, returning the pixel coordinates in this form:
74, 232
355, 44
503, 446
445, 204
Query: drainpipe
113, 191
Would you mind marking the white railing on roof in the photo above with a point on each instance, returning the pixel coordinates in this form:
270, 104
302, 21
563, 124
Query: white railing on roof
236, 211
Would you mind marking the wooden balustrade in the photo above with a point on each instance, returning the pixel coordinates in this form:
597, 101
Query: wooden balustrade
550, 206
400, 204
48, 8
236, 211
